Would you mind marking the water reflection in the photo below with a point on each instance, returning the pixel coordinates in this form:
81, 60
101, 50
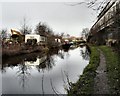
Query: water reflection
23, 74
38, 73
85, 52
46, 63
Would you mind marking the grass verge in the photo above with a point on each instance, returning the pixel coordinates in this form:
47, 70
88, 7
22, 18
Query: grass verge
85, 85
113, 69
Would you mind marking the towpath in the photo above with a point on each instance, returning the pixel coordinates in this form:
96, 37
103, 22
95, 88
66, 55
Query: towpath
101, 80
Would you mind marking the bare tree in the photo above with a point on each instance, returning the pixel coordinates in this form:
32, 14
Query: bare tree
40, 28
85, 33
25, 28
3, 33
43, 29
96, 5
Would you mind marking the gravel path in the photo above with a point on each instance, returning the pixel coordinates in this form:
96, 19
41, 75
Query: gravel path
101, 85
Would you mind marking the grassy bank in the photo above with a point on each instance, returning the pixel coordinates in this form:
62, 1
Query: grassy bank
85, 85
113, 69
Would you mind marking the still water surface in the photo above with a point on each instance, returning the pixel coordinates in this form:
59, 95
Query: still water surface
43, 74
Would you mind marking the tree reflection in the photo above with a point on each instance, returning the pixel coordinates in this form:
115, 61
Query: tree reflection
41, 64
3, 69
43, 83
85, 52
23, 74
66, 80
53, 88
61, 54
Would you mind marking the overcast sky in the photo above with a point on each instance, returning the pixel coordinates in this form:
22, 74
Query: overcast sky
58, 15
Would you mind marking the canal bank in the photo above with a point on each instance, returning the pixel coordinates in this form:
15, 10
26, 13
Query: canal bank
85, 85
14, 50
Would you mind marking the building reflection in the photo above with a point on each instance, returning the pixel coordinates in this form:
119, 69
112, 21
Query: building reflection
45, 63
25, 63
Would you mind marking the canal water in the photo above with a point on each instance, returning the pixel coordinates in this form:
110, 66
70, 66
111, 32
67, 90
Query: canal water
43, 74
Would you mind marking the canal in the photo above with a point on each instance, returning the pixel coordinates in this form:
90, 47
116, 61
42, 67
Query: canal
38, 73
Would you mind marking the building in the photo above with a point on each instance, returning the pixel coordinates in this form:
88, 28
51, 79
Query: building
33, 38
107, 25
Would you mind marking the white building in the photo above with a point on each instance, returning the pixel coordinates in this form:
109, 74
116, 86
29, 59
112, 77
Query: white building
34, 36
